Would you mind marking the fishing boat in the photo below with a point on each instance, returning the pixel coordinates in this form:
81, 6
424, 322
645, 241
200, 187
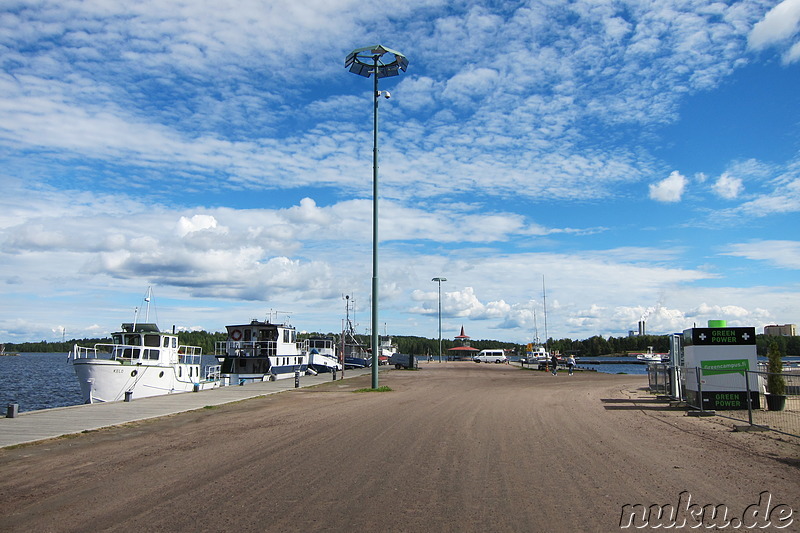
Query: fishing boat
260, 351
355, 353
322, 355
140, 361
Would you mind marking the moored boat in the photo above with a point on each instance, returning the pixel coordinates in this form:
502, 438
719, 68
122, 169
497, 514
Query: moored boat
260, 351
322, 354
385, 350
141, 361
354, 352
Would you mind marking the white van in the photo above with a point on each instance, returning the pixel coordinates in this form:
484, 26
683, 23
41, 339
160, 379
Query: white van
490, 356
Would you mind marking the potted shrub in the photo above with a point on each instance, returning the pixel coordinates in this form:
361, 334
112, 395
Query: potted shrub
776, 383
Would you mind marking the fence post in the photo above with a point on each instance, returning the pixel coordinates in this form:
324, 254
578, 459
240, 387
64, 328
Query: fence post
749, 399
698, 372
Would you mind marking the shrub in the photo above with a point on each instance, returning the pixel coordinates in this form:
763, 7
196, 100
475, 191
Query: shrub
776, 383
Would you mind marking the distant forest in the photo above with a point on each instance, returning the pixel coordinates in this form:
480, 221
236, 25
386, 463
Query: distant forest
422, 346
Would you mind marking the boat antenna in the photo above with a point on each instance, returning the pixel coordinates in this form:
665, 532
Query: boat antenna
147, 297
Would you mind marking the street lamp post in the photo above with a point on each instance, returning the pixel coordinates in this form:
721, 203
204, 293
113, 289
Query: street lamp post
366, 62
440, 280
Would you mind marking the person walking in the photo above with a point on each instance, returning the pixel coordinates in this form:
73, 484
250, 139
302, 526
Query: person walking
554, 362
571, 363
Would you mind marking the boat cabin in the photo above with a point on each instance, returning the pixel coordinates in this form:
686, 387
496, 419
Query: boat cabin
261, 339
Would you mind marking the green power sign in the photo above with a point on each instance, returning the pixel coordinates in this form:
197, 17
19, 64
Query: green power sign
728, 366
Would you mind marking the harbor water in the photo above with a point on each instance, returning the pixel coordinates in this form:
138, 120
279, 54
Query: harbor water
38, 381
42, 381
613, 365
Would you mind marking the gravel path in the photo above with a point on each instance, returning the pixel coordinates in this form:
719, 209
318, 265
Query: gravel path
455, 447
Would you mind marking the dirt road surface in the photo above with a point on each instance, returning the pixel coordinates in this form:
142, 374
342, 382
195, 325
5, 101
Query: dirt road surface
455, 447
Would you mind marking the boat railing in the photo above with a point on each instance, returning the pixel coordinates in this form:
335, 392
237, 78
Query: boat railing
212, 372
108, 351
251, 348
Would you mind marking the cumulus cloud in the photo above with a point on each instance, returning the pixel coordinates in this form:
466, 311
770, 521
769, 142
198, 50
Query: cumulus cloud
728, 187
670, 189
196, 223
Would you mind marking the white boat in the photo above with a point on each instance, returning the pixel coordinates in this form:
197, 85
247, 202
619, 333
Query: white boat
260, 351
651, 356
385, 350
537, 353
322, 354
140, 361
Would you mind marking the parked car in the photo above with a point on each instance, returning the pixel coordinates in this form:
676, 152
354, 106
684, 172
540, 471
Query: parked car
402, 360
490, 356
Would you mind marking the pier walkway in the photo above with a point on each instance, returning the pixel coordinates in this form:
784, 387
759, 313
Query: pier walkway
45, 424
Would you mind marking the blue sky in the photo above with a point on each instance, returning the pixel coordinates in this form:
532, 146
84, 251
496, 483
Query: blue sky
640, 157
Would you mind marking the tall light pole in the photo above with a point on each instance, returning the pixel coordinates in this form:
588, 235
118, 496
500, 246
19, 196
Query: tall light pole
440, 280
366, 62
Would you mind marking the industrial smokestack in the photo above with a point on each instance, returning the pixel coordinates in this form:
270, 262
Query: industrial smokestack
641, 328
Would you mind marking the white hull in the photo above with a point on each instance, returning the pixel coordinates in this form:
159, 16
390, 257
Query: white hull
323, 362
103, 380
655, 358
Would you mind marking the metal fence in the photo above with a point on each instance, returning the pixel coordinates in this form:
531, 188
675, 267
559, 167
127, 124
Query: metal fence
747, 401
771, 412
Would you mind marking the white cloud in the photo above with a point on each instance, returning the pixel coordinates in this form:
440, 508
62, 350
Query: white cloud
669, 189
196, 223
728, 187
234, 155
782, 254
779, 25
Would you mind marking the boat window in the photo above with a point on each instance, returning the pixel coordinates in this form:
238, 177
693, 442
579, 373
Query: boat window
174, 342
166, 342
116, 339
152, 340
151, 354
132, 340
180, 371
247, 335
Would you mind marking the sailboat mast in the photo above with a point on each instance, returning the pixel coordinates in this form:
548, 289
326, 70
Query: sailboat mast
544, 301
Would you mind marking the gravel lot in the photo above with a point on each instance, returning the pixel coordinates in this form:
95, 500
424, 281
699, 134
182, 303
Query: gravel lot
453, 447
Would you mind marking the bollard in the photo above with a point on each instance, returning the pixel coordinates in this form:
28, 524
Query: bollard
296, 379
334, 373
196, 387
128, 395
13, 410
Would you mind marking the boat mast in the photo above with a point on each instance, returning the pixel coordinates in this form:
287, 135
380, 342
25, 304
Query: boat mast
544, 301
